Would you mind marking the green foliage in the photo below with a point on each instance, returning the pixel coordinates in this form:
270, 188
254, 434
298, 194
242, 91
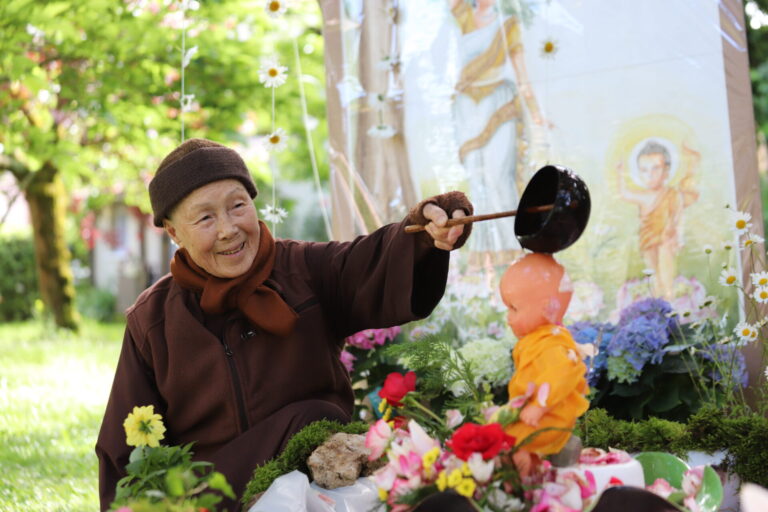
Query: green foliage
743, 438
757, 44
18, 278
95, 303
165, 477
296, 453
55, 385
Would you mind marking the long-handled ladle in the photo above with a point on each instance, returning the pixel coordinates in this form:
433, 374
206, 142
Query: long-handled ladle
551, 215
415, 228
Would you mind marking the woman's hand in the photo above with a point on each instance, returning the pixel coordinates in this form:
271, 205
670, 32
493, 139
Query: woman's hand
445, 237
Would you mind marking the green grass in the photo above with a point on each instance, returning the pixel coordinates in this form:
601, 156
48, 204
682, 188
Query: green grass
53, 389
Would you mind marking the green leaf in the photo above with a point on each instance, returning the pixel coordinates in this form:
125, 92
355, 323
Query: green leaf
219, 482
174, 482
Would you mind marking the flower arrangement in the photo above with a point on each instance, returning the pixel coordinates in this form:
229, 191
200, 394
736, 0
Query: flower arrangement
164, 478
667, 368
368, 365
472, 458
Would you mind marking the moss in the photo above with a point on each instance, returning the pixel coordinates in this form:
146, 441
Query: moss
296, 453
743, 438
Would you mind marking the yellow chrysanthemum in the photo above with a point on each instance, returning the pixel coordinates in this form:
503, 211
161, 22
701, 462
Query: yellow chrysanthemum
454, 478
465, 471
429, 458
466, 487
143, 427
442, 481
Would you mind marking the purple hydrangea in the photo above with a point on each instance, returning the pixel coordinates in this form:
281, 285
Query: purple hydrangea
728, 359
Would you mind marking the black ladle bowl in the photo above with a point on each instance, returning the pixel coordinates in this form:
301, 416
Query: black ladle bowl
552, 213
554, 229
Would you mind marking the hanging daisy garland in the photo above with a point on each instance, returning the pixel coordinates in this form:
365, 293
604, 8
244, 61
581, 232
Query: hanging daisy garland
272, 75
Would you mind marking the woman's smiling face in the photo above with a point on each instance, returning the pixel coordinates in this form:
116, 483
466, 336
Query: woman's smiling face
218, 226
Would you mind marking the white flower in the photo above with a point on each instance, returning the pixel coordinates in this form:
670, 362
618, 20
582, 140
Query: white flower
273, 214
708, 302
765, 372
759, 278
728, 277
481, 470
377, 100
271, 73
707, 249
740, 221
746, 332
276, 8
761, 294
751, 239
727, 246
648, 272
275, 141
382, 131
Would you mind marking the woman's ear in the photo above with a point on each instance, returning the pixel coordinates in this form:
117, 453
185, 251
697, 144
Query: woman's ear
171, 230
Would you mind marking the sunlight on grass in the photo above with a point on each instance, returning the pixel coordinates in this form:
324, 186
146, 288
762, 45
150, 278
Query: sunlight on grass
53, 390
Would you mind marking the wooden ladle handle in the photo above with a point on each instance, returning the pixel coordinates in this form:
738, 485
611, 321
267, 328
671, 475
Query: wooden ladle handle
415, 228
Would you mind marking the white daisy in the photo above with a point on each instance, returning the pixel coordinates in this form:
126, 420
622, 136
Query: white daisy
759, 278
727, 246
746, 332
728, 277
707, 249
273, 213
751, 239
276, 8
549, 48
648, 272
377, 100
275, 141
271, 73
709, 301
382, 131
740, 221
761, 294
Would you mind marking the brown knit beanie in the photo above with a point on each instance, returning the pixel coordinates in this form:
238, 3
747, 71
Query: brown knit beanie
196, 162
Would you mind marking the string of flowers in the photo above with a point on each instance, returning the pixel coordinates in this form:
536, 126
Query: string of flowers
272, 74
186, 100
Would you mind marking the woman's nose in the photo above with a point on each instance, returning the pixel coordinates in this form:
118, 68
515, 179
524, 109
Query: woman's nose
226, 228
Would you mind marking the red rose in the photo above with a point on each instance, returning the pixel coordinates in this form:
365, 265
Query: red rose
486, 439
396, 386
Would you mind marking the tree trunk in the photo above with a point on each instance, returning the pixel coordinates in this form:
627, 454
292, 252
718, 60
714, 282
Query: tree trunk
46, 197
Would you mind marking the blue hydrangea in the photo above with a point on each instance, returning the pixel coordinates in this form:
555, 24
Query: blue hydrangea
587, 333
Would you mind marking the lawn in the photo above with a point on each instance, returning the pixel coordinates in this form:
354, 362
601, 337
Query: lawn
53, 390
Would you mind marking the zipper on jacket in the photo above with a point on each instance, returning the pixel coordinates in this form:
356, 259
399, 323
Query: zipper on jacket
238, 389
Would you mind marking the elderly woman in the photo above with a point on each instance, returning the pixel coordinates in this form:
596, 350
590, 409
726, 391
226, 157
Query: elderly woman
238, 348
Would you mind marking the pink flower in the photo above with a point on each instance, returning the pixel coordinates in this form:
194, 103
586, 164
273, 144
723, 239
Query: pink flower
691, 504
124, 509
420, 440
661, 488
347, 359
596, 456
692, 480
488, 412
385, 477
520, 401
453, 418
409, 465
369, 338
377, 439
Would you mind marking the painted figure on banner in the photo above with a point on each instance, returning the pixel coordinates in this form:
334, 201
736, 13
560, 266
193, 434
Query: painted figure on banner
653, 164
488, 113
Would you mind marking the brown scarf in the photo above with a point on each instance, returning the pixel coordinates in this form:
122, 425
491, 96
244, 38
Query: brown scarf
262, 305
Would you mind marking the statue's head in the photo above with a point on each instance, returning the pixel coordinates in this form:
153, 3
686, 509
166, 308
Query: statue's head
536, 290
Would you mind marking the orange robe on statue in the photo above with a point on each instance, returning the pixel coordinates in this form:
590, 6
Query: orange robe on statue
549, 355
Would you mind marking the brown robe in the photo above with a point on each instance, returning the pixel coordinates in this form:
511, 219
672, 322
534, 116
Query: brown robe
240, 393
